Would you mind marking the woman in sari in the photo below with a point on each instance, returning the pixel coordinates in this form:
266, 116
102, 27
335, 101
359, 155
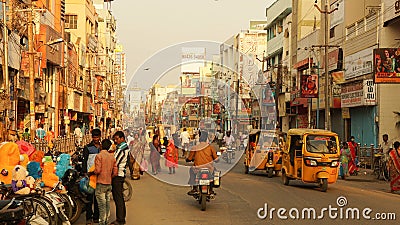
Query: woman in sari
155, 152
394, 167
345, 157
171, 155
137, 148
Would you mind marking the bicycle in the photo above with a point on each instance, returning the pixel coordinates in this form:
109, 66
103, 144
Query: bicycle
380, 167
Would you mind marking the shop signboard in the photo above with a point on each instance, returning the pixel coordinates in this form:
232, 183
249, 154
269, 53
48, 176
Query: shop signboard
358, 93
387, 65
359, 63
352, 94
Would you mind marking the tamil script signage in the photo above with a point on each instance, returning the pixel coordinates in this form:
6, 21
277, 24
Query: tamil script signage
358, 93
359, 63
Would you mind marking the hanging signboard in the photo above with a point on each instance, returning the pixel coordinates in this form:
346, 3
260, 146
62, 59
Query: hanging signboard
387, 65
309, 86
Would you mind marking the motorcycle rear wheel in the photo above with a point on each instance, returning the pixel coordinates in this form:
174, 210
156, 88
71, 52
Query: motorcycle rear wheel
203, 201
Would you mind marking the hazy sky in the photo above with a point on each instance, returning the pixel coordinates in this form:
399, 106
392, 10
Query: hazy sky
148, 26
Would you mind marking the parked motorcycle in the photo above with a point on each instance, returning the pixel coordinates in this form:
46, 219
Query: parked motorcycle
14, 211
206, 180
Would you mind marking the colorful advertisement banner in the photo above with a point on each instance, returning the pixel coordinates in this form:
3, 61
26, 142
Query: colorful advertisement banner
309, 86
387, 65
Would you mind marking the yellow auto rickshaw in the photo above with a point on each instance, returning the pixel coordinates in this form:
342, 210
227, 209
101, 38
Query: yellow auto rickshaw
263, 151
312, 156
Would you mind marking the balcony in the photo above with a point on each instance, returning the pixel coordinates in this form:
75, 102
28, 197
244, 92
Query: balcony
277, 11
275, 44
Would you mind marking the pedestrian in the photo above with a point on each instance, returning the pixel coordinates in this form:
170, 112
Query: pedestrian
105, 169
185, 139
121, 155
385, 146
155, 152
50, 137
345, 157
40, 132
90, 152
78, 135
353, 146
394, 167
171, 155
26, 136
136, 147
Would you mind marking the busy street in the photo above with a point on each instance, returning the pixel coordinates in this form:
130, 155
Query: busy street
241, 195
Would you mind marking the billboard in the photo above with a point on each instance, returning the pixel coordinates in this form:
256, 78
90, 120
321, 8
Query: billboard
387, 65
309, 86
359, 63
192, 59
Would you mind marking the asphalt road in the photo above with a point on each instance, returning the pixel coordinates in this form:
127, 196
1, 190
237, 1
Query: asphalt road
241, 196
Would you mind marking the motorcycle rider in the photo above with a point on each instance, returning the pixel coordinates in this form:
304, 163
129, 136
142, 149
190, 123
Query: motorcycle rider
203, 155
229, 140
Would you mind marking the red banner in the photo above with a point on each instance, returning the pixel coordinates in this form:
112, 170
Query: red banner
309, 86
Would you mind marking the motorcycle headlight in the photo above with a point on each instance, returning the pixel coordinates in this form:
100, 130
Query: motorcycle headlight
335, 163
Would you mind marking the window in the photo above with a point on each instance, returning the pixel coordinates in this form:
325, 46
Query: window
332, 32
71, 22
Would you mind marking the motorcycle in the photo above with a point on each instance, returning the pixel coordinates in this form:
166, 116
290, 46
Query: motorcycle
71, 183
205, 182
14, 211
228, 153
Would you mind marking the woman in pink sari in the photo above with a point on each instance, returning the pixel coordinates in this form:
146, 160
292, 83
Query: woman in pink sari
394, 167
171, 155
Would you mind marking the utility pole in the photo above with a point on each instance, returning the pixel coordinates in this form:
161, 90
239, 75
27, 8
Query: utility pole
5, 60
327, 81
31, 55
277, 93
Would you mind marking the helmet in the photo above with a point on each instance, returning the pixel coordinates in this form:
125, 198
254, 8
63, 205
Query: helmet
85, 187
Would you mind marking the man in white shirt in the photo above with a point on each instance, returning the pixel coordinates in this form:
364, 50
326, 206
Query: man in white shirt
185, 139
229, 140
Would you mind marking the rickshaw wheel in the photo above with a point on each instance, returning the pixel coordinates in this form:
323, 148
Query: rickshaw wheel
270, 172
246, 169
285, 179
324, 185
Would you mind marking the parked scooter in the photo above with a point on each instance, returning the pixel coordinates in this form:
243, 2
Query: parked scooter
205, 182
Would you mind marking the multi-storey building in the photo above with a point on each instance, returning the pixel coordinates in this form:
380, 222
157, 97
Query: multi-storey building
81, 22
276, 70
